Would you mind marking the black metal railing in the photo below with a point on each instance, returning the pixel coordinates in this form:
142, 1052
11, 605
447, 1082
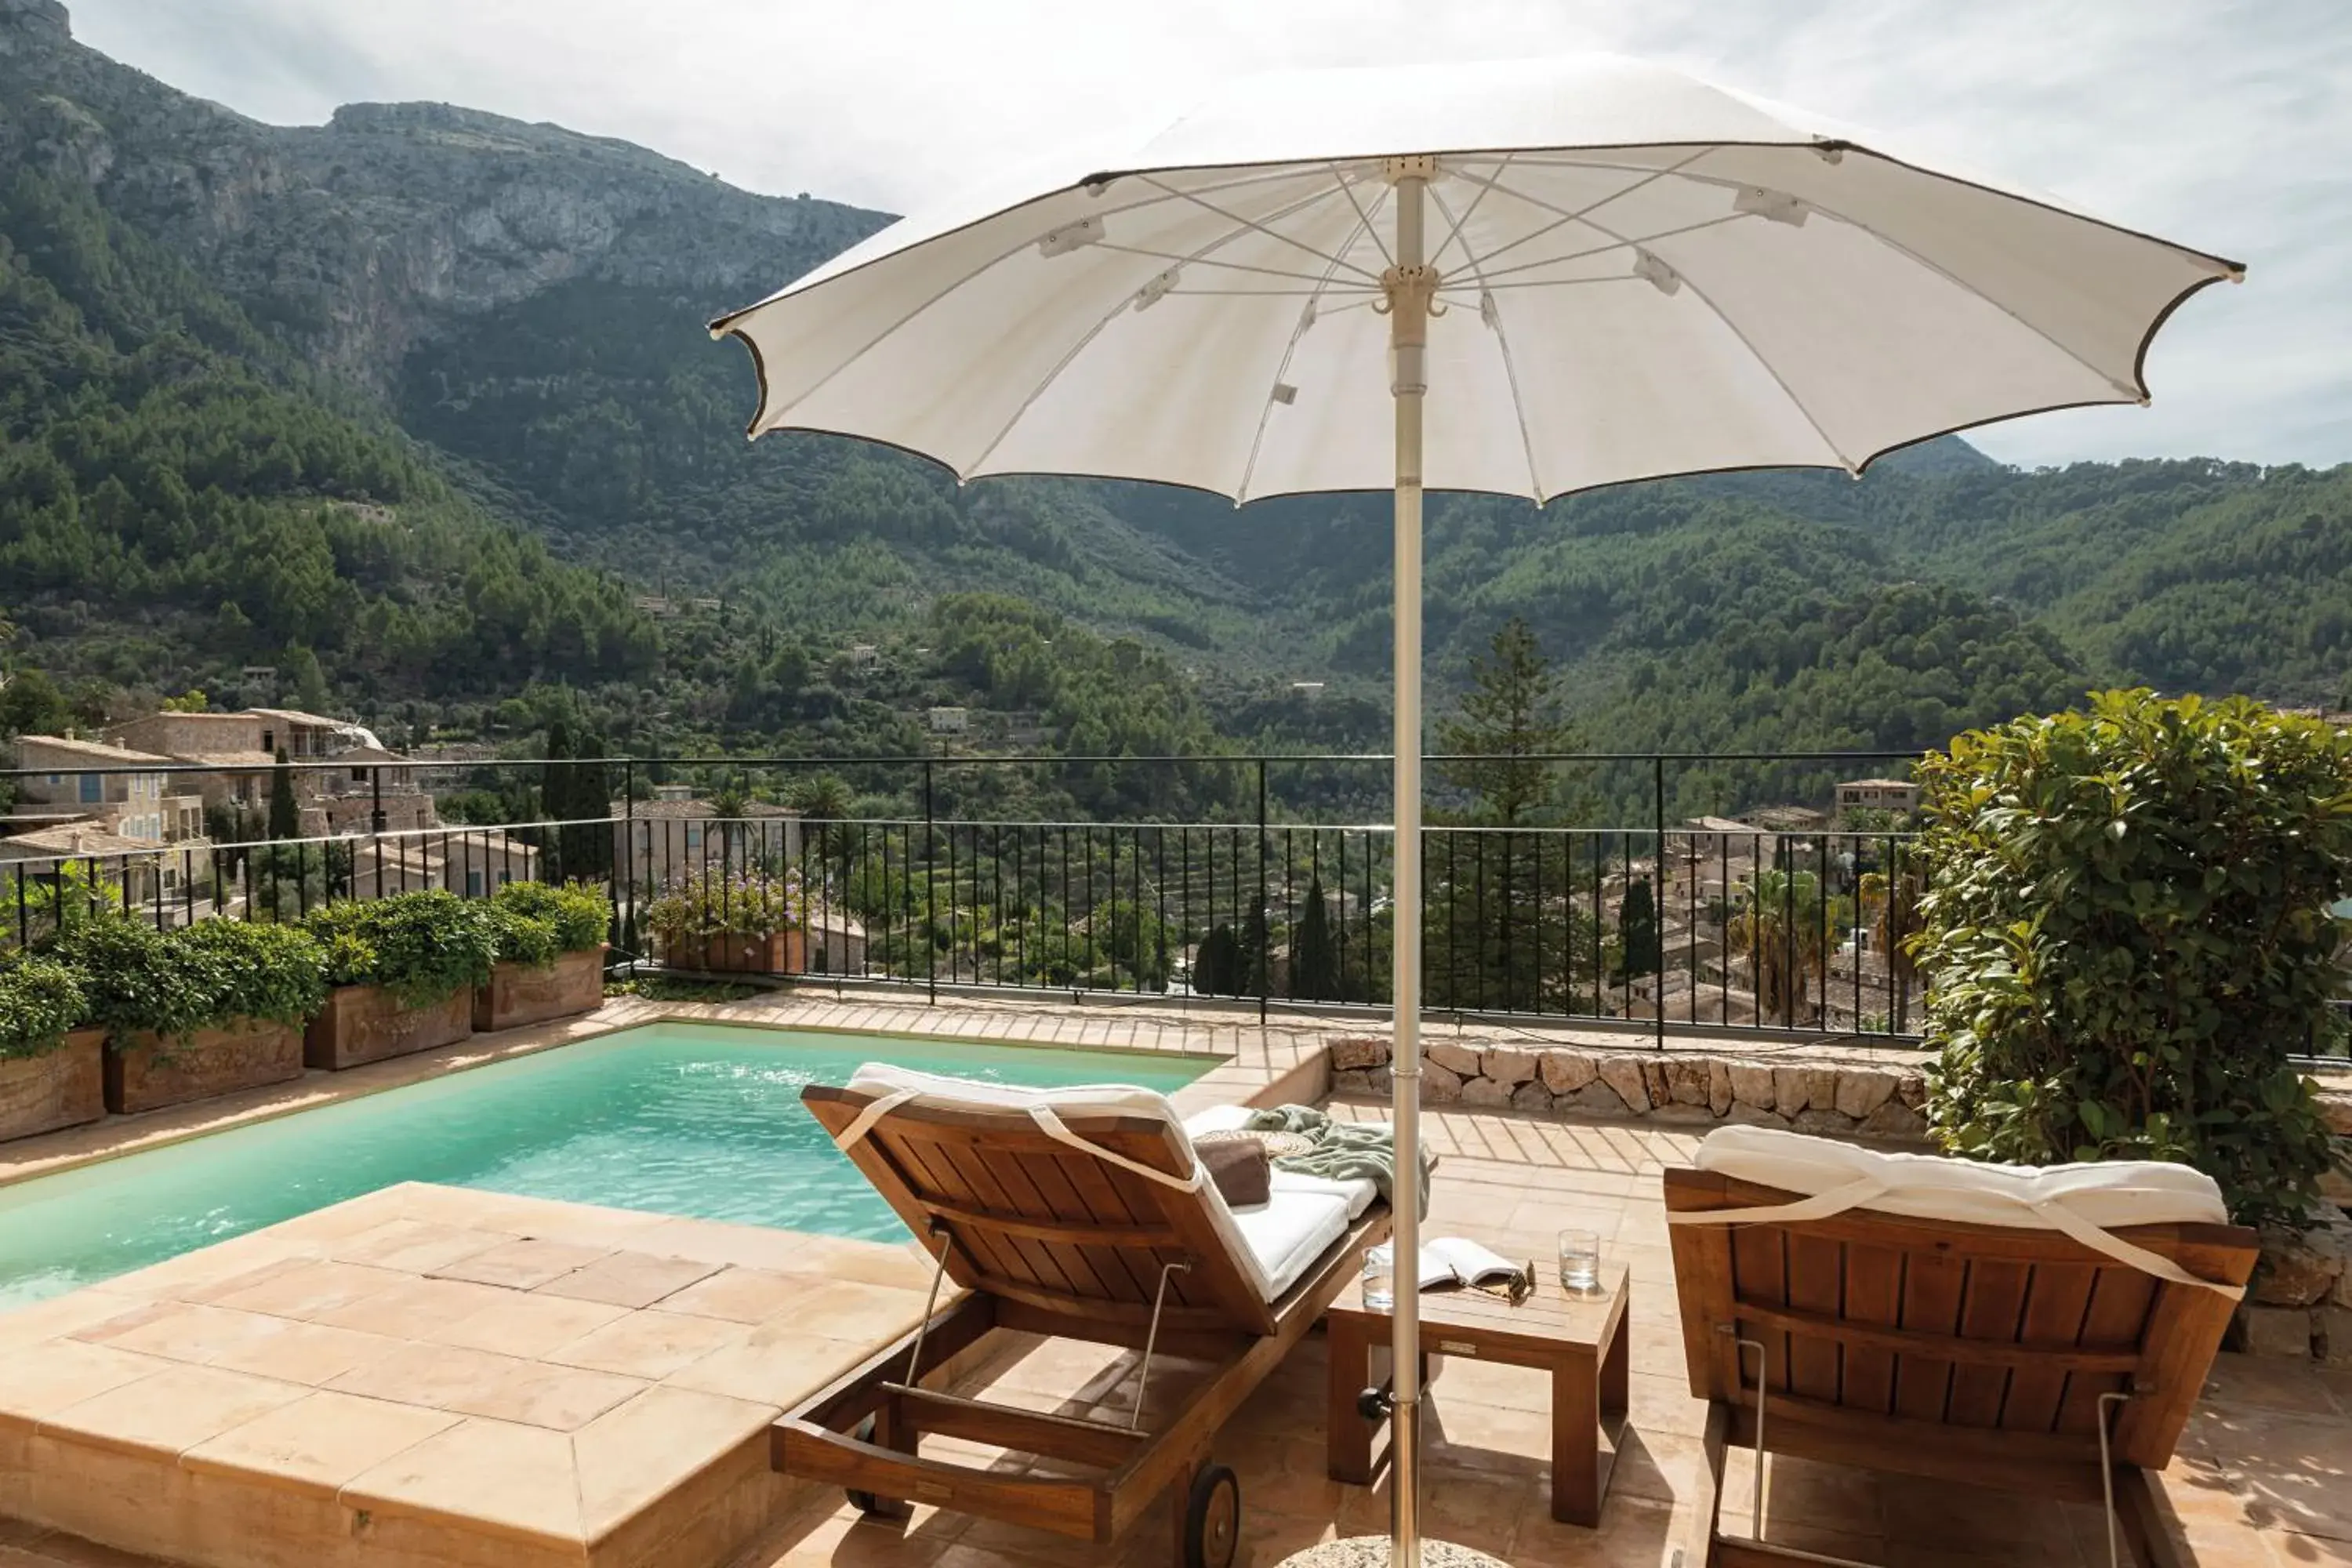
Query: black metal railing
1665, 928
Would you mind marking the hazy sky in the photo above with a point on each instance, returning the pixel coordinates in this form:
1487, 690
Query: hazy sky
2225, 125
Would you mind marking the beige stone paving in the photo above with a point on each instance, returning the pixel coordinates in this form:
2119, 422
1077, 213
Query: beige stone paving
413, 1360
423, 1355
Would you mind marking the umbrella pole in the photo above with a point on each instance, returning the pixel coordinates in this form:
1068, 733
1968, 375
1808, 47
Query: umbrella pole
1409, 285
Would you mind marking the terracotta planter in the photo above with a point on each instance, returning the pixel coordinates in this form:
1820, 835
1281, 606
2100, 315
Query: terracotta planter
518, 994
143, 1073
364, 1024
63, 1088
778, 952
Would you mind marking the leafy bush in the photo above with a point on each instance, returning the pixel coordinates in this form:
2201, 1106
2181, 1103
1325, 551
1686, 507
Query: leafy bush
536, 921
178, 982
712, 903
423, 947
2127, 934
40, 1000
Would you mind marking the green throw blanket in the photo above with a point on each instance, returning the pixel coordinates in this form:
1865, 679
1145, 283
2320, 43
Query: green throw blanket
1343, 1152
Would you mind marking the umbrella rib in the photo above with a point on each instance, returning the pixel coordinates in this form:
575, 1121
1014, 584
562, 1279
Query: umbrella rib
1680, 171
1124, 302
1208, 261
1305, 319
1270, 233
1256, 178
1510, 369
1364, 218
1615, 244
1765, 364
1917, 260
1565, 216
1454, 230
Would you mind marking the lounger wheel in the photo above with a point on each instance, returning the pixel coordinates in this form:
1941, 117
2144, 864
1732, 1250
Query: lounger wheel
864, 1502
1212, 1519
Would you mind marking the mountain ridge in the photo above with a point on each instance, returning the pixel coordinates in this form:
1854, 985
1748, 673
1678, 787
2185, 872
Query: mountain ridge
496, 328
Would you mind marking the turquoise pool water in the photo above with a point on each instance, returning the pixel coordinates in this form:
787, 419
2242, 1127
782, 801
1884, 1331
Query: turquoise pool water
697, 1120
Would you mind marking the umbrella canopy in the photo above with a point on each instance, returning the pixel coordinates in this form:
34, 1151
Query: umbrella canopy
1641, 274
1529, 278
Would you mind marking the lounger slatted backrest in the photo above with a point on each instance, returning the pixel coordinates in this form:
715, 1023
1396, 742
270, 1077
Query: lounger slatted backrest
1047, 1227
1960, 1350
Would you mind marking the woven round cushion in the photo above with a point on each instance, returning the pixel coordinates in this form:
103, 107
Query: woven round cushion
1278, 1145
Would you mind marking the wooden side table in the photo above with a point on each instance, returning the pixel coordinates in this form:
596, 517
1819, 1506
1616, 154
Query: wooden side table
1580, 1340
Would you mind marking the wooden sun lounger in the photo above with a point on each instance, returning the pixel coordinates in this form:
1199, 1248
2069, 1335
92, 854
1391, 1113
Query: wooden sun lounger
1977, 1354
1049, 1240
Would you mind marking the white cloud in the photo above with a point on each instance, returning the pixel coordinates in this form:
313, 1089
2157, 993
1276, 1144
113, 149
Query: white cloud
2224, 125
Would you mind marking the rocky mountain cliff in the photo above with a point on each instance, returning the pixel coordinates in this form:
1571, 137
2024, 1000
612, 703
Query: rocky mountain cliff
464, 323
390, 225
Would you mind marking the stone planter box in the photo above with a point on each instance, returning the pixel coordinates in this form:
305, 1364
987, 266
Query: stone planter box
63, 1088
143, 1073
778, 952
518, 994
364, 1024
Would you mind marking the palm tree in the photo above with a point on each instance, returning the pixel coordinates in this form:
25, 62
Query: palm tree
1783, 924
825, 805
1893, 919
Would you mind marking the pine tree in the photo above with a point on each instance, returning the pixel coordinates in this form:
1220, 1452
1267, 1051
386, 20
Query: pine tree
1314, 956
1510, 716
285, 816
310, 692
1497, 926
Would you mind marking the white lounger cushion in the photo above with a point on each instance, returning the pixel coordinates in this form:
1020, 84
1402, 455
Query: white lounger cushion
2083, 1200
1272, 1243
2108, 1193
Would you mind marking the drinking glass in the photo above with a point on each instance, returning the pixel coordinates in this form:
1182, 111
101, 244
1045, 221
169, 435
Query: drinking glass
1380, 1279
1579, 1262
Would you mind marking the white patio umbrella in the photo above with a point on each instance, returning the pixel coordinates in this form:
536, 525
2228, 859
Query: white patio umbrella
1528, 278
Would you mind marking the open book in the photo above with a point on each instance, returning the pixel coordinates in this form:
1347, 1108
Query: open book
1451, 1260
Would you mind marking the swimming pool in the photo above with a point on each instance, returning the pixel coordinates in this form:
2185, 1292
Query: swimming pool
698, 1119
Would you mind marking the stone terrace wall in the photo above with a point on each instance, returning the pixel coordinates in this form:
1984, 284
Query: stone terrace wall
1813, 1094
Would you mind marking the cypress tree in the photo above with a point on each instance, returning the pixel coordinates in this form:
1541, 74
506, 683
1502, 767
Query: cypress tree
1314, 957
555, 795
285, 816
1637, 930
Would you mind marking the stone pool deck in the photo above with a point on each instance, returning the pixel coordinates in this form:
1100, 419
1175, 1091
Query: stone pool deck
436, 1374
455, 1377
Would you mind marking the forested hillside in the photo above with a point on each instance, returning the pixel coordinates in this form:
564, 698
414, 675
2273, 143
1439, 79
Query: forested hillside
424, 395
176, 496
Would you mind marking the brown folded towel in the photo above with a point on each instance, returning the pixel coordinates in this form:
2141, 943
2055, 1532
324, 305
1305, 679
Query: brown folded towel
1239, 1167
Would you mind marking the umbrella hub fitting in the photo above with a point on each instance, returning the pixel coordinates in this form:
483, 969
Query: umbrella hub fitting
1409, 299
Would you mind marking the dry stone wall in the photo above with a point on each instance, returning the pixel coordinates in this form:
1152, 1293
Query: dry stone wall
1843, 1099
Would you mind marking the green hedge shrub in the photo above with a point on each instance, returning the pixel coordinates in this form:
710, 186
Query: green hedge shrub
178, 982
41, 1000
536, 921
423, 947
2126, 936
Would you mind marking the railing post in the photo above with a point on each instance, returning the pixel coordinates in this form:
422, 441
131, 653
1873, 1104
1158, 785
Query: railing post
375, 799
629, 852
1264, 920
1658, 902
932, 896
